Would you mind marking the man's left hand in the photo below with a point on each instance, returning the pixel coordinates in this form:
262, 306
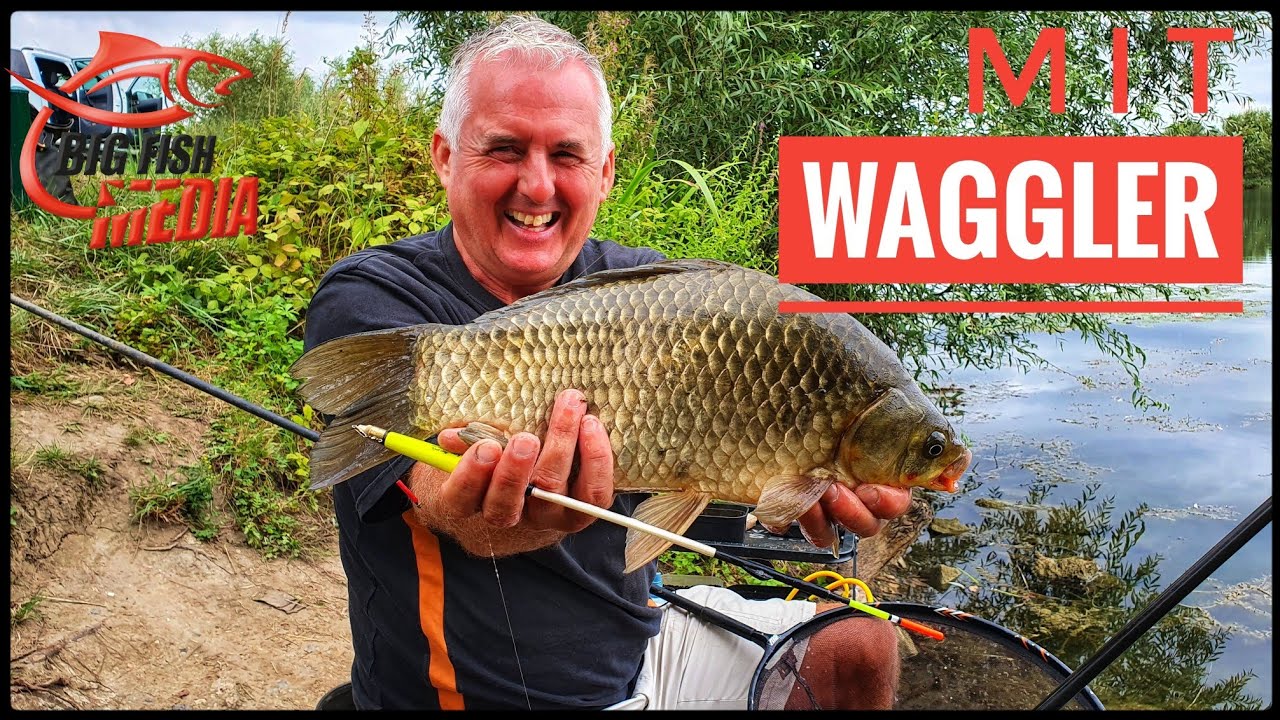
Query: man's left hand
863, 511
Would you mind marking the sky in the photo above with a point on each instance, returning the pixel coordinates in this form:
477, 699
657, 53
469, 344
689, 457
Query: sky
316, 36
313, 36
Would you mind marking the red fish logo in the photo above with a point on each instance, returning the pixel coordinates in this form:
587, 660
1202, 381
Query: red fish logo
116, 50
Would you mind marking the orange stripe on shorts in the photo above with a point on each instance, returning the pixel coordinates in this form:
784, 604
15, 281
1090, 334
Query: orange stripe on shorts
426, 551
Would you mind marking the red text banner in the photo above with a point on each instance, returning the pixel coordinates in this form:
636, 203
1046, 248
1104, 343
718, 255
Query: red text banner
1011, 210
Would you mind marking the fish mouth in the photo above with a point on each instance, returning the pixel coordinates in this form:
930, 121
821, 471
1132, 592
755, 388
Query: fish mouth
950, 475
533, 222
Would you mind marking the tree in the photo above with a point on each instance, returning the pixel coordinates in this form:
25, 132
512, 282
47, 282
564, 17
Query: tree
1255, 127
723, 74
275, 90
1190, 127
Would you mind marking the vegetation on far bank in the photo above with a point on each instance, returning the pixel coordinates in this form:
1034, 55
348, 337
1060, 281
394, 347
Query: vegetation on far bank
1254, 128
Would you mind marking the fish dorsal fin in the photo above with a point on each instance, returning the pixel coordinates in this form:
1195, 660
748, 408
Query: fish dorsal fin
609, 277
659, 267
673, 512
786, 497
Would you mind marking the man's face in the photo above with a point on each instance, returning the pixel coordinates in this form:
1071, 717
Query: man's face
528, 176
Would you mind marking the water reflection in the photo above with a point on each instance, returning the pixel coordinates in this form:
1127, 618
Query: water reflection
1257, 224
1081, 508
1063, 574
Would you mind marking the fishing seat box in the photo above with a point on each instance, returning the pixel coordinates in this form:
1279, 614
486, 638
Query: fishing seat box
724, 527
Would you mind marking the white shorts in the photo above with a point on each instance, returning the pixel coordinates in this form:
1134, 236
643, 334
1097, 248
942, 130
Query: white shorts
692, 664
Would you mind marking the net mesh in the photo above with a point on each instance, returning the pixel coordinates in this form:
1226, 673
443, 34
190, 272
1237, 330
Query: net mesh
854, 662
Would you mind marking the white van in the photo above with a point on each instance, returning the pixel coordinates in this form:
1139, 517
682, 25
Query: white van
50, 69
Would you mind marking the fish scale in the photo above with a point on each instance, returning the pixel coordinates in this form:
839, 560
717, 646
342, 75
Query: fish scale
667, 342
705, 389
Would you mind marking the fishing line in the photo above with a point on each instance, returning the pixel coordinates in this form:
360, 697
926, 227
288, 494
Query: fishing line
502, 595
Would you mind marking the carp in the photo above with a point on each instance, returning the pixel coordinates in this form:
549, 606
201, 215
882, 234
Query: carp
707, 392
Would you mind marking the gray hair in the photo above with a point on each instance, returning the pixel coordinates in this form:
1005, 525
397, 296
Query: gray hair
531, 39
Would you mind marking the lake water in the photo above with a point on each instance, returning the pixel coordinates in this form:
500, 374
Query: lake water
1069, 438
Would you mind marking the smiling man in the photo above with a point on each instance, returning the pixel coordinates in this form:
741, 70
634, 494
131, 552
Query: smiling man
477, 597
526, 161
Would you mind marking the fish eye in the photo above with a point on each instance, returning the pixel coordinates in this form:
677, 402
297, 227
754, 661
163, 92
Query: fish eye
936, 443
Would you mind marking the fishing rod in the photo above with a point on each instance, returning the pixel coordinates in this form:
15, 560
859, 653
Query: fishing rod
181, 376
446, 461
167, 369
1161, 606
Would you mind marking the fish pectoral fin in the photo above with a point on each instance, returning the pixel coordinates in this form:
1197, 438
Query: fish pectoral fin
786, 497
476, 431
673, 512
776, 529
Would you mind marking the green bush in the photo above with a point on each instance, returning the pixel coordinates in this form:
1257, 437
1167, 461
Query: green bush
1255, 127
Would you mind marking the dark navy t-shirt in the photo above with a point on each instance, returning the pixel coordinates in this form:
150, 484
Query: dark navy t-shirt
433, 627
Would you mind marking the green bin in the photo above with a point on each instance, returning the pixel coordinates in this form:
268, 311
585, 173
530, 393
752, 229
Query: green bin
19, 124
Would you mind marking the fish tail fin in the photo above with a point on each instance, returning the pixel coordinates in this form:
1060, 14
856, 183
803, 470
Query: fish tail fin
358, 379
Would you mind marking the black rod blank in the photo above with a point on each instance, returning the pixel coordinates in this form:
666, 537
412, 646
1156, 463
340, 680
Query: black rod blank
167, 369
1172, 595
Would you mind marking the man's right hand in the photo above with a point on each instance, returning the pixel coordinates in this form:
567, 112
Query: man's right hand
490, 482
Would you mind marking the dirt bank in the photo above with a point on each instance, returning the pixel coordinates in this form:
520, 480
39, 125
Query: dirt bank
144, 615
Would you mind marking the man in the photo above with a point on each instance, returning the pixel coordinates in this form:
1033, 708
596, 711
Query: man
478, 597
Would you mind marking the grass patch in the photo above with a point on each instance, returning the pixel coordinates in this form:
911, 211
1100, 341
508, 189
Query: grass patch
56, 458
140, 435
189, 501
52, 383
183, 409
267, 481
92, 471
52, 456
27, 610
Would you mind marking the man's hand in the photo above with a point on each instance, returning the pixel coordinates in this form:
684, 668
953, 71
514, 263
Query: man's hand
863, 511
490, 481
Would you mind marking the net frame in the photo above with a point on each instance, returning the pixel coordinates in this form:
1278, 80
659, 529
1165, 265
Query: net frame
1015, 645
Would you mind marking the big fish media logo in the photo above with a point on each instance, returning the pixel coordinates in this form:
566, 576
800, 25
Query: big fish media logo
206, 208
